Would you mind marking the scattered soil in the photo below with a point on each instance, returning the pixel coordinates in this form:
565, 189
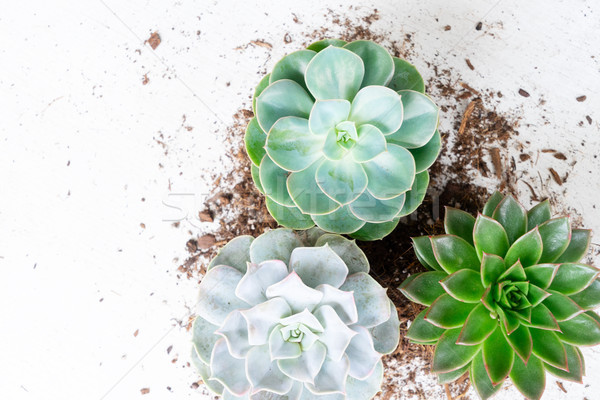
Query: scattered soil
154, 40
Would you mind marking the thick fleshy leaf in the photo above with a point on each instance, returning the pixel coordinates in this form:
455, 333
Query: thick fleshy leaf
576, 367
492, 266
386, 335
541, 275
361, 353
529, 378
375, 231
538, 214
512, 217
305, 367
305, 318
424, 251
334, 150
367, 388
334, 73
453, 253
460, 223
424, 288
310, 236
379, 106
464, 285
515, 273
255, 172
273, 180
264, 374
419, 122
449, 377
489, 237
498, 356
217, 294
478, 326
293, 66
292, 146
236, 253
379, 66
341, 180
449, 356
561, 306
480, 378
416, 194
295, 292
536, 295
349, 252
228, 370
370, 144
255, 140
589, 298
276, 244
262, 85
370, 298
318, 265
341, 301
556, 235
369, 208
406, 77
548, 347
509, 319
578, 246
204, 372
235, 332
336, 334
204, 338
573, 278
258, 278
263, 317
582, 330
307, 195
332, 377
326, 114
340, 221
284, 98
448, 313
280, 349
542, 318
426, 155
492, 203
290, 217
520, 341
325, 43
527, 249
421, 330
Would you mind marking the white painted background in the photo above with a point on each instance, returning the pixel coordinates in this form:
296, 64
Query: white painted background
79, 151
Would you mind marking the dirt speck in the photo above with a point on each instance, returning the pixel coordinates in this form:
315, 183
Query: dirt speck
479, 26
581, 99
145, 390
469, 64
447, 28
154, 40
145, 79
524, 93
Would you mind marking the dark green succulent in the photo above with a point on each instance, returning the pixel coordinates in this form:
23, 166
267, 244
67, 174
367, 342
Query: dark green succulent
506, 296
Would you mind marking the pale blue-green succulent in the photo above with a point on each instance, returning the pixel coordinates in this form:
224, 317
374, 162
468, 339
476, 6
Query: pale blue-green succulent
342, 137
291, 316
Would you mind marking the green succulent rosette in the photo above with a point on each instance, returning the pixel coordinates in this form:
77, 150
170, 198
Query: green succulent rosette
506, 296
342, 137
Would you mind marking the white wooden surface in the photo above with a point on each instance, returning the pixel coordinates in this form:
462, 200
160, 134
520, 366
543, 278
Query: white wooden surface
80, 155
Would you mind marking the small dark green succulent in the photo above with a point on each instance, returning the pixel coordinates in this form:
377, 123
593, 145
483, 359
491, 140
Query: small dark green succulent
506, 296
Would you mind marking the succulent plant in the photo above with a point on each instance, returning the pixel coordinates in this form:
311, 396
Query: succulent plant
342, 137
292, 316
506, 296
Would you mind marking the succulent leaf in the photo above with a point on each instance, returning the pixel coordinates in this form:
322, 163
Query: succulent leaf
492, 266
217, 294
379, 106
423, 331
464, 285
576, 367
255, 140
556, 235
379, 66
284, 98
491, 204
542, 274
391, 173
449, 356
291, 145
318, 265
273, 245
424, 288
362, 355
273, 181
548, 347
478, 326
426, 155
520, 341
453, 253
371, 209
489, 237
229, 371
341, 220
572, 278
578, 246
371, 299
539, 214
542, 318
449, 377
305, 367
419, 123
204, 338
255, 172
561, 306
335, 73
529, 378
293, 66
263, 374
342, 181
332, 377
327, 114
512, 217
581, 330
498, 356
448, 313
367, 388
589, 298
291, 217
325, 43
262, 85
527, 249
307, 195
387, 334
349, 252
253, 285
459, 223
424, 251
406, 77
235, 254
369, 145
416, 194
480, 378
